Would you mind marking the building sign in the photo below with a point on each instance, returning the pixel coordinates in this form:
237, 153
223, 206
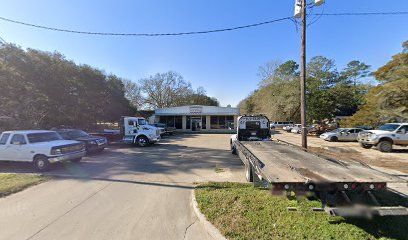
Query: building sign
196, 110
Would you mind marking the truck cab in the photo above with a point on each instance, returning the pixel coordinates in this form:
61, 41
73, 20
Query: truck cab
136, 130
251, 128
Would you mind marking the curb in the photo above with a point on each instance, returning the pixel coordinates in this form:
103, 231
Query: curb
211, 230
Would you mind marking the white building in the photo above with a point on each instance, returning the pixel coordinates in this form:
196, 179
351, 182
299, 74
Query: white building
198, 118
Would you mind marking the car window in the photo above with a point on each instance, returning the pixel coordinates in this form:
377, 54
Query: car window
357, 130
43, 137
142, 122
4, 138
18, 139
403, 129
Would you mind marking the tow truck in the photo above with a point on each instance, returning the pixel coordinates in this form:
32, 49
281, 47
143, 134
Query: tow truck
291, 170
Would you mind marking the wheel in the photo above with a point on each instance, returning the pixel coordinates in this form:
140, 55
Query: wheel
142, 141
365, 145
385, 146
334, 139
76, 160
248, 173
233, 150
41, 163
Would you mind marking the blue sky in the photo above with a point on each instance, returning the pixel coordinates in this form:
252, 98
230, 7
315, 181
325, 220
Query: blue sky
225, 64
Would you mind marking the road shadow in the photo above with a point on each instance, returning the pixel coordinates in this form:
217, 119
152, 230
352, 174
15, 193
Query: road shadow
119, 163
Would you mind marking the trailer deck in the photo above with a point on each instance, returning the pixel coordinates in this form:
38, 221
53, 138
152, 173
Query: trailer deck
279, 162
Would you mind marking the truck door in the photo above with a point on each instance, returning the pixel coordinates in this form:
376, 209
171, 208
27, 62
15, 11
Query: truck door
402, 136
19, 148
4, 147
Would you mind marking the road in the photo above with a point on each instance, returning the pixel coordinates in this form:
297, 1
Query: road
123, 193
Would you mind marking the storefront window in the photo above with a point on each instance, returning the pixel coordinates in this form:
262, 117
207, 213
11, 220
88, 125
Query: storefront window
178, 120
204, 122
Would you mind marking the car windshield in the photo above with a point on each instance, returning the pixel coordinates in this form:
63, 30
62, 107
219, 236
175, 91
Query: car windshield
43, 137
75, 134
389, 127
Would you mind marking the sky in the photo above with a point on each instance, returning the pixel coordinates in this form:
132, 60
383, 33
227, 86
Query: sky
225, 64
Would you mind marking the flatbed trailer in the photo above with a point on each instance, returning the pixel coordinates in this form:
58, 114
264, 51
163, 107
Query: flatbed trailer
285, 168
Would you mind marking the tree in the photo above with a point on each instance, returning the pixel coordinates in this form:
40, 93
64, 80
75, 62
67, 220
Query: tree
133, 93
43, 90
199, 97
389, 100
170, 90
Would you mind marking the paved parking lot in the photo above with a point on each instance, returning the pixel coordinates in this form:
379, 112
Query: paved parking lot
123, 193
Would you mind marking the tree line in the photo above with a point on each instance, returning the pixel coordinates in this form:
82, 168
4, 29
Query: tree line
44, 89
331, 92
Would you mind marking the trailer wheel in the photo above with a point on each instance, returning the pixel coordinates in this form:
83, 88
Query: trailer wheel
248, 173
385, 146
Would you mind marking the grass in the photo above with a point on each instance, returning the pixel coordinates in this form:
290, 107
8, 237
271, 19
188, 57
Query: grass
241, 211
11, 182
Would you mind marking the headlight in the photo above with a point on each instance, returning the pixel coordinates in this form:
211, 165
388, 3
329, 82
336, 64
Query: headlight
56, 151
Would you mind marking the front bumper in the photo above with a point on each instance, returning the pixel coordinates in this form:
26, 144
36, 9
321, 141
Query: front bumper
67, 156
368, 141
96, 147
154, 139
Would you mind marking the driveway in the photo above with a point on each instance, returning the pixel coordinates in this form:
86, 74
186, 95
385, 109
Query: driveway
123, 193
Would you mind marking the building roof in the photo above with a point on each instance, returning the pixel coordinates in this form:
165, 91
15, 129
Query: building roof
196, 110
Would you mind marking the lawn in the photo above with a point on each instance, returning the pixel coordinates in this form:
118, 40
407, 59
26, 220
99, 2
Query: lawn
12, 182
241, 211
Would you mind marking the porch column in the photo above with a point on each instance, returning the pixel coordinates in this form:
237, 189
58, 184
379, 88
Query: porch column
235, 121
207, 122
184, 122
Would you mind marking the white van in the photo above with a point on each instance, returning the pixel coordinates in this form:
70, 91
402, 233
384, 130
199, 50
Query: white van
280, 124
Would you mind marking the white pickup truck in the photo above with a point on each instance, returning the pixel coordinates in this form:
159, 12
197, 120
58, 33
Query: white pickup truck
385, 137
39, 147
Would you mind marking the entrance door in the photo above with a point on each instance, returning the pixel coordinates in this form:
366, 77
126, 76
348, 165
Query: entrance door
196, 124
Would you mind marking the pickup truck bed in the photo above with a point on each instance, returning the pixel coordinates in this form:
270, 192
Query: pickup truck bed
278, 162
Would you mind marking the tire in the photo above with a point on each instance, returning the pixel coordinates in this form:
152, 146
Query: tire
248, 173
334, 139
365, 145
233, 150
76, 160
142, 141
385, 146
41, 163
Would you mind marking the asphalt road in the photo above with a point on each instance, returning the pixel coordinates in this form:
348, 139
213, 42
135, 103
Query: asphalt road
123, 193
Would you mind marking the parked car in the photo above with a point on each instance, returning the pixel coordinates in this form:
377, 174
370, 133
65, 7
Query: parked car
288, 128
39, 147
342, 134
385, 137
297, 128
274, 125
92, 143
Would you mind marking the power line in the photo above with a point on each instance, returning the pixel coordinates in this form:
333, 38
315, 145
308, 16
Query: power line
143, 34
192, 32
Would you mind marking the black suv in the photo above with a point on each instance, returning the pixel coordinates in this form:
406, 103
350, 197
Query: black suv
92, 143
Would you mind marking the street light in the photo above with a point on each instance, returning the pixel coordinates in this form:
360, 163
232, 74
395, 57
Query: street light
300, 12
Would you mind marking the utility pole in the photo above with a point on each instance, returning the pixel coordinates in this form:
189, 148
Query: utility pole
303, 75
300, 12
